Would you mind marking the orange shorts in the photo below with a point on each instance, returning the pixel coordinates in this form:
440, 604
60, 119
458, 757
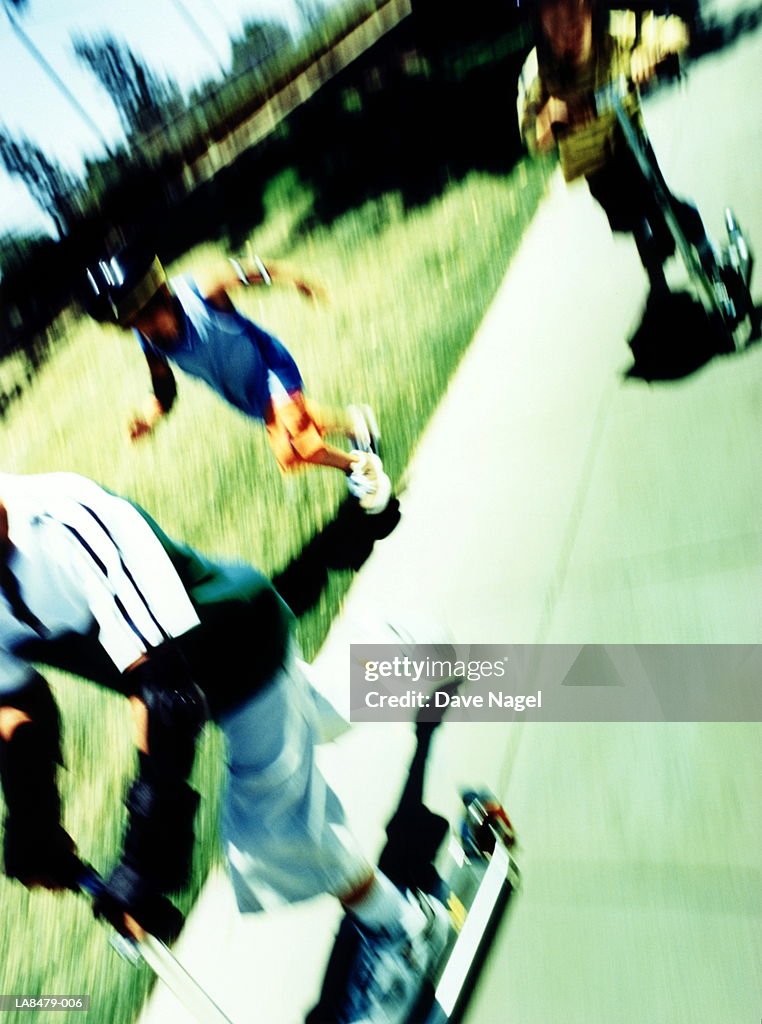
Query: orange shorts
294, 436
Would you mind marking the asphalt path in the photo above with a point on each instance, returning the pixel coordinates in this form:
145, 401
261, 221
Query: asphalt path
555, 500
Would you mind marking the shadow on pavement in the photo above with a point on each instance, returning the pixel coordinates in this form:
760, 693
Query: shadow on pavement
674, 339
344, 543
414, 836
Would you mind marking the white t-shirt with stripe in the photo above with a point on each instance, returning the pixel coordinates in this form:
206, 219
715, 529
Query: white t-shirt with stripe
83, 556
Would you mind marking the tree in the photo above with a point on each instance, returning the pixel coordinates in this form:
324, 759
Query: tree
13, 248
52, 188
311, 13
259, 44
143, 100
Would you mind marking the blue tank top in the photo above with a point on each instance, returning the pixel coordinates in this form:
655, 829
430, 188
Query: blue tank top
235, 357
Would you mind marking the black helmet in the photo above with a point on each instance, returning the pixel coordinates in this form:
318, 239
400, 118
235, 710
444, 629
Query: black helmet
117, 287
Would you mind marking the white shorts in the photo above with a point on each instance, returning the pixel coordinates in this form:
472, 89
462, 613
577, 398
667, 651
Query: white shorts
283, 827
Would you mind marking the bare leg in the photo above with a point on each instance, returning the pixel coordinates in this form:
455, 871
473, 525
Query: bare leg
296, 432
330, 456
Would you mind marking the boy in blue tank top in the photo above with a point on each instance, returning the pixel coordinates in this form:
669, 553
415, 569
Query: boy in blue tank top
193, 324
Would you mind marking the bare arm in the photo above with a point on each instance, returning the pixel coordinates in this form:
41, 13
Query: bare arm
241, 273
534, 113
661, 37
159, 403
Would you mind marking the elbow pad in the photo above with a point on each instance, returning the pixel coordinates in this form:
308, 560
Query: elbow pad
36, 700
28, 773
28, 759
35, 846
177, 710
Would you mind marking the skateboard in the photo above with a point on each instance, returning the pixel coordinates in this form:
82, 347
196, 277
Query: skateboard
478, 875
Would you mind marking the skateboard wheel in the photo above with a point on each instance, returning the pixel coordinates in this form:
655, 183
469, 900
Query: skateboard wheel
485, 822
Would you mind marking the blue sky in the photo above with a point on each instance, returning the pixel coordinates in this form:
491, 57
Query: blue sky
155, 29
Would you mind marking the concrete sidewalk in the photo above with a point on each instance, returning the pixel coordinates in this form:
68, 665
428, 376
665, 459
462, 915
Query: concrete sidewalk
552, 501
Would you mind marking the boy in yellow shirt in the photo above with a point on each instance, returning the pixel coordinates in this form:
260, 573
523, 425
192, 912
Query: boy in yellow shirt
579, 49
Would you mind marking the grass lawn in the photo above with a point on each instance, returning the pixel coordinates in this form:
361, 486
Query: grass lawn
407, 291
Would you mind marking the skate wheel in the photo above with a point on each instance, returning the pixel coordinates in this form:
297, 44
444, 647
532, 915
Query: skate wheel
485, 823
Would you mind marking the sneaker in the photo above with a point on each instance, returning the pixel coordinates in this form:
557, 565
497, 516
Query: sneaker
388, 974
368, 483
365, 434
